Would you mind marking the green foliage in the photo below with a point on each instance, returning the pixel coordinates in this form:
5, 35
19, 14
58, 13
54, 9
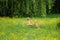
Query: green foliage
24, 8
58, 25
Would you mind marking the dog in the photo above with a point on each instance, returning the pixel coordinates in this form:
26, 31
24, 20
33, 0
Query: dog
32, 23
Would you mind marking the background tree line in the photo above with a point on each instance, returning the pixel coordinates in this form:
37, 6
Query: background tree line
25, 8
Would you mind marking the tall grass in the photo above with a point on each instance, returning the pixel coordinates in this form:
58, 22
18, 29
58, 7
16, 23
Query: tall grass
16, 29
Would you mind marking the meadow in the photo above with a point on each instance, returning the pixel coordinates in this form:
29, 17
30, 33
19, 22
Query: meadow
16, 29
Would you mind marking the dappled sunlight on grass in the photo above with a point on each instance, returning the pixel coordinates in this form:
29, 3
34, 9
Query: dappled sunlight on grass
16, 29
54, 38
14, 35
1, 33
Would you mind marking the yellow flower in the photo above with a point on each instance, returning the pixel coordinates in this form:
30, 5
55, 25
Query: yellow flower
1, 33
15, 36
54, 39
48, 37
24, 38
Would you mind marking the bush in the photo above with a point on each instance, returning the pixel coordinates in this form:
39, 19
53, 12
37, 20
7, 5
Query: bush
58, 25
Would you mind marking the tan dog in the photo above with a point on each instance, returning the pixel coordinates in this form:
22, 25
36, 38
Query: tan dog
33, 23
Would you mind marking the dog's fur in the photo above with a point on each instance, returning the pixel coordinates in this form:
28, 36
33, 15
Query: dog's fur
33, 23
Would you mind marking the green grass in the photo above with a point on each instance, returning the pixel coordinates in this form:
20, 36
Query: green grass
16, 29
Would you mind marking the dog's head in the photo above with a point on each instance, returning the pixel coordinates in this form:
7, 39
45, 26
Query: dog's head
27, 18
